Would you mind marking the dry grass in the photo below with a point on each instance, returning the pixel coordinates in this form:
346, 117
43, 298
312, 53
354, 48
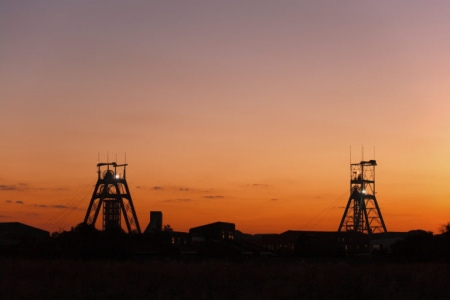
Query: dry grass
72, 279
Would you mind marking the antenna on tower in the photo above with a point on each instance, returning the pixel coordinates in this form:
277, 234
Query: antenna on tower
362, 152
350, 153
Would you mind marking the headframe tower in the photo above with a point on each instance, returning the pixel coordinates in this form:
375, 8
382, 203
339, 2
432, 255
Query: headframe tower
362, 213
111, 194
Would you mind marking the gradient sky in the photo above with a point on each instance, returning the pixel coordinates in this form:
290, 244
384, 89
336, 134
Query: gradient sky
235, 111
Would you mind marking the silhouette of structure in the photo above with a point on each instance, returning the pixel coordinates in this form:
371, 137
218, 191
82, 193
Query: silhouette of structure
155, 224
362, 213
16, 233
111, 194
213, 231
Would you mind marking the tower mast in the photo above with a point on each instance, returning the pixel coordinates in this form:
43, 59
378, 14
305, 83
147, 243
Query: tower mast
362, 213
111, 193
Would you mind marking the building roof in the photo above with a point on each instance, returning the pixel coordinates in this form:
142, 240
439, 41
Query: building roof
213, 225
21, 229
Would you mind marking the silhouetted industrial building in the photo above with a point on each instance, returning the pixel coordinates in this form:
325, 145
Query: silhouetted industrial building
298, 243
156, 222
362, 213
384, 241
112, 196
361, 230
213, 231
15, 233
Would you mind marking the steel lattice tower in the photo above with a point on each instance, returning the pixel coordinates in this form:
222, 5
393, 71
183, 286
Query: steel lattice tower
362, 213
112, 194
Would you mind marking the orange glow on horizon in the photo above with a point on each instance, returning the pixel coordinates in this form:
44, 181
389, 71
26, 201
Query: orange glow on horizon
227, 112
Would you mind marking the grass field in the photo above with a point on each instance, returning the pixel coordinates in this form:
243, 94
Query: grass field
75, 279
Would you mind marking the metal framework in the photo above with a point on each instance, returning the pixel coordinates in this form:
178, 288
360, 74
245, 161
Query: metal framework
111, 192
362, 213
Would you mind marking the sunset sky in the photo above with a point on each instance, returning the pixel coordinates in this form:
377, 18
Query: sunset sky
234, 111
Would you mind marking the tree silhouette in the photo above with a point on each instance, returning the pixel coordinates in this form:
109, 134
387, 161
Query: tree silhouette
167, 228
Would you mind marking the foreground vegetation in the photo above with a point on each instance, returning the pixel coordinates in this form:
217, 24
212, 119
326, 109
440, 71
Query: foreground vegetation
211, 279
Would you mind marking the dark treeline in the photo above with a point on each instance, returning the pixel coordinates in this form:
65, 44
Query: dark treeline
86, 242
423, 246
